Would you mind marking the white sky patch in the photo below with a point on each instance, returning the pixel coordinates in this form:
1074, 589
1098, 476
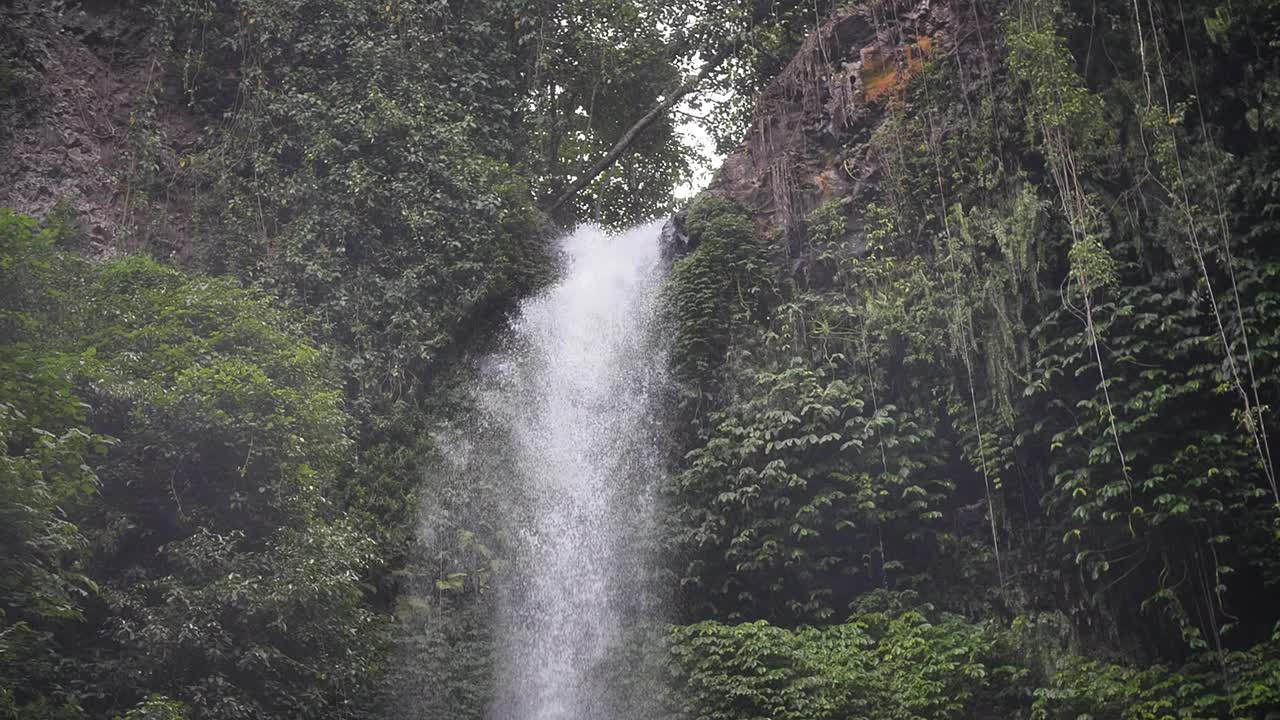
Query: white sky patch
706, 161
689, 122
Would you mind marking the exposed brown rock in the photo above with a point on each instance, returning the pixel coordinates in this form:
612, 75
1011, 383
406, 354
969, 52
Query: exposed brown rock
79, 71
811, 135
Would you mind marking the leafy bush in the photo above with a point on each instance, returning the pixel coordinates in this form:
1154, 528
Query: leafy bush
172, 444
896, 665
1239, 684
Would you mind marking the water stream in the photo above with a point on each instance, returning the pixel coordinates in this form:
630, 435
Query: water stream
575, 394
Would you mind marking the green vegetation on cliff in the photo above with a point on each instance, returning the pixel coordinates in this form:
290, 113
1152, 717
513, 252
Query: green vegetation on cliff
1023, 380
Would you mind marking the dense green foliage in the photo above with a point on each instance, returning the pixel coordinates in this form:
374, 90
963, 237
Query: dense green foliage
897, 665
917, 664
994, 444
173, 450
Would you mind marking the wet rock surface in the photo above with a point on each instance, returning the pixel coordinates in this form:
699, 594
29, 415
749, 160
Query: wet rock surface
674, 242
75, 74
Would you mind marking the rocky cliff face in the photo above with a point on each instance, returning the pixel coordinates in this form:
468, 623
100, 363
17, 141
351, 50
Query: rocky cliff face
810, 139
75, 74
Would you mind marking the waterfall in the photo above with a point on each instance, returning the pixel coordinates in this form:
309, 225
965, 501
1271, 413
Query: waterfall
574, 393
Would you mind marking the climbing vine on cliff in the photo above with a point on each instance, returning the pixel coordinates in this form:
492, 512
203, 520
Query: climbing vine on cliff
1027, 373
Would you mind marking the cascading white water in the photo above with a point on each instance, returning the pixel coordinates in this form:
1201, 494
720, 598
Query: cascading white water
574, 394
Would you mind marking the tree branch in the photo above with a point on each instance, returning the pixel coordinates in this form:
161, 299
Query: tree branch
620, 147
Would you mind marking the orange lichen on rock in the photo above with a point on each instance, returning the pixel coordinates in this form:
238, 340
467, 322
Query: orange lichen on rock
917, 52
879, 76
883, 78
